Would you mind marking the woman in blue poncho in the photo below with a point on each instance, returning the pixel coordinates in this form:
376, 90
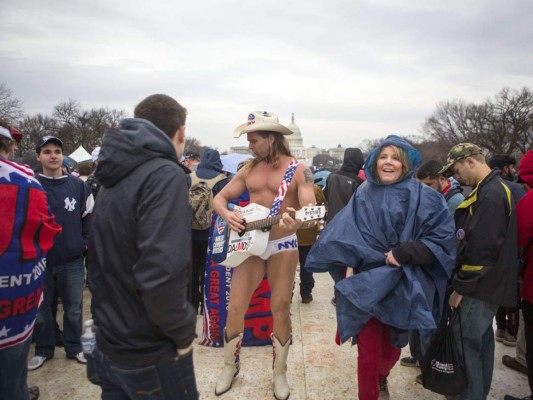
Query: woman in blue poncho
398, 235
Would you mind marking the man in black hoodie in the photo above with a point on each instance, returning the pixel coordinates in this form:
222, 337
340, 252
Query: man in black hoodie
139, 253
341, 184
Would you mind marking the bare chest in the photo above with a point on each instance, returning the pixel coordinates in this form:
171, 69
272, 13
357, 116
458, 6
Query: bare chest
263, 183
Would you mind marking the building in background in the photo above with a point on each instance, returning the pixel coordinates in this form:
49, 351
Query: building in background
302, 153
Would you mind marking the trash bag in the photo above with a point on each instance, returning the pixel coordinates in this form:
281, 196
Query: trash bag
443, 369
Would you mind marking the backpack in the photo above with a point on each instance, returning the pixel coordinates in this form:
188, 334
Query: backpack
450, 193
339, 191
201, 200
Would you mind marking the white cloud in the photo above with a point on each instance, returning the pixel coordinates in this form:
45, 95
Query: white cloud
349, 70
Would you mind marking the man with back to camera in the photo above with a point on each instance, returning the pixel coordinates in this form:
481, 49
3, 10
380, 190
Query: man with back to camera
139, 255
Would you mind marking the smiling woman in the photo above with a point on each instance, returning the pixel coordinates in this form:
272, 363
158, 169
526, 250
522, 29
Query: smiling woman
391, 165
398, 236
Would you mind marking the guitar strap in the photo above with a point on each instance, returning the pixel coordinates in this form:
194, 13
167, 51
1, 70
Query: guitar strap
283, 187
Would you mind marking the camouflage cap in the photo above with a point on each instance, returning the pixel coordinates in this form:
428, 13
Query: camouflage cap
459, 152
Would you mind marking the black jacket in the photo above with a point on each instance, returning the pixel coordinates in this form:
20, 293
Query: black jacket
486, 264
140, 247
341, 184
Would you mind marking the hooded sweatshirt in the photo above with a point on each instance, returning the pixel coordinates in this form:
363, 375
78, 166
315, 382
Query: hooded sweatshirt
140, 247
524, 214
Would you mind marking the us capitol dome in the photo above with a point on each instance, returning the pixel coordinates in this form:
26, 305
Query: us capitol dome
295, 140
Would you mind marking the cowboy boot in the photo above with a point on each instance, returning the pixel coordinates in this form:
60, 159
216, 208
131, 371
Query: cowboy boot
231, 368
279, 367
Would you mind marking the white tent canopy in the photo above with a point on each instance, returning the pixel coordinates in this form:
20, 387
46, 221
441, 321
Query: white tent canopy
80, 155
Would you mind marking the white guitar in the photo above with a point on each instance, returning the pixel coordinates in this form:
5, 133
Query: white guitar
254, 239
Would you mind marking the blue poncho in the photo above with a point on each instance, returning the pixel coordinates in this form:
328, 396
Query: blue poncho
378, 218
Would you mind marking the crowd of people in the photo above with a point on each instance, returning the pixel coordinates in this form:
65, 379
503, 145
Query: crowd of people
404, 242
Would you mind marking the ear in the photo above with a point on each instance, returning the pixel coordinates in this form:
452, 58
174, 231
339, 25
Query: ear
271, 139
179, 141
181, 134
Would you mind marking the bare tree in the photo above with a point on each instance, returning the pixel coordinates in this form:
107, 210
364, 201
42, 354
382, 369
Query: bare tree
34, 128
193, 144
70, 123
11, 108
501, 125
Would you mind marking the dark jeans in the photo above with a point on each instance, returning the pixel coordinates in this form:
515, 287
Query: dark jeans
478, 339
166, 380
199, 253
307, 282
14, 371
417, 347
68, 278
527, 310
507, 318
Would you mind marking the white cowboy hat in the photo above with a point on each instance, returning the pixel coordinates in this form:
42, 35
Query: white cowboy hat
261, 121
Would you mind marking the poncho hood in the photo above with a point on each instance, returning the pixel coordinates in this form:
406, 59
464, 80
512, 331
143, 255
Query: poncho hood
392, 140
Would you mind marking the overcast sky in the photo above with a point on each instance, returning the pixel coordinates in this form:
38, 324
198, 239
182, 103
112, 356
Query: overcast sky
348, 70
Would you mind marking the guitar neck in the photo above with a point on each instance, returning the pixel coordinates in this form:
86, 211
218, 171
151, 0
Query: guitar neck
265, 222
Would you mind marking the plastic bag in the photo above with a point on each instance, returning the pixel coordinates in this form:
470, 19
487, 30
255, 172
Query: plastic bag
443, 369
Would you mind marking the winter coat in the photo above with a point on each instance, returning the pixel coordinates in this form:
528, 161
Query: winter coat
524, 213
486, 243
140, 247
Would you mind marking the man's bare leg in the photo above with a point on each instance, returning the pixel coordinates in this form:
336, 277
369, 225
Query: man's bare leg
246, 277
281, 269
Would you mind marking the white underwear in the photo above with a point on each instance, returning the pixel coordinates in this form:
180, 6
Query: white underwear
277, 246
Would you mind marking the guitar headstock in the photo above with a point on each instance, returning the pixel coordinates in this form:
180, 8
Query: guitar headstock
310, 213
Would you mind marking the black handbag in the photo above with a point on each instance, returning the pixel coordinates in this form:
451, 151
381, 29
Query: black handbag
443, 369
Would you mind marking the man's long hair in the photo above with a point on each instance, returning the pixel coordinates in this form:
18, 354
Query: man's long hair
279, 148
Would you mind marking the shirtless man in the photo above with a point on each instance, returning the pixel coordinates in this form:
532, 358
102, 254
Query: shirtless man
262, 176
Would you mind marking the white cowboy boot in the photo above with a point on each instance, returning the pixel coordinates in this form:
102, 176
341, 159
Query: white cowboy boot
279, 367
231, 368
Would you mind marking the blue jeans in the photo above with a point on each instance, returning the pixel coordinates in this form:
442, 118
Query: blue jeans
478, 340
68, 278
14, 371
166, 380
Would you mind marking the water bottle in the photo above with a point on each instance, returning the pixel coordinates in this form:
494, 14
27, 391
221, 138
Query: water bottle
88, 339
